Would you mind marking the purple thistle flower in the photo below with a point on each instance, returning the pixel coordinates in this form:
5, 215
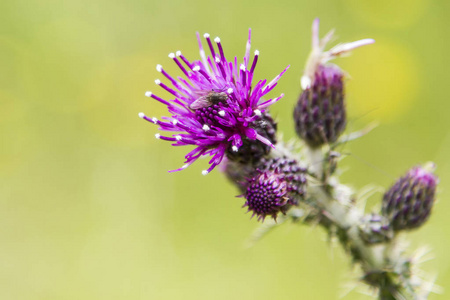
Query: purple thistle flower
320, 115
409, 201
216, 107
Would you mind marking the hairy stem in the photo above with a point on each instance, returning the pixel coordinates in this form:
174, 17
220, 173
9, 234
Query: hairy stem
385, 265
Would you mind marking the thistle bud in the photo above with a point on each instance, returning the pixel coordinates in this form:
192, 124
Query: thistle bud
409, 201
251, 151
320, 115
275, 186
375, 229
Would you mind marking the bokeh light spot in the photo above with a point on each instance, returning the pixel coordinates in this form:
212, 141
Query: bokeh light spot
383, 81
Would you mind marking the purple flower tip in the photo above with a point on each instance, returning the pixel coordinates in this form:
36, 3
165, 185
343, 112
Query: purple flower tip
215, 106
424, 177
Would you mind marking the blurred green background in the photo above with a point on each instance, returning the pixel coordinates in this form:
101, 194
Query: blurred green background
87, 208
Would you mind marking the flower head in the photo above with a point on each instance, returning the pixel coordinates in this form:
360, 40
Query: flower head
320, 115
409, 201
216, 107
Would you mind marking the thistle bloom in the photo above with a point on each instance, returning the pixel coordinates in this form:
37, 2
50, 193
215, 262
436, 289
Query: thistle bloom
216, 107
320, 115
408, 202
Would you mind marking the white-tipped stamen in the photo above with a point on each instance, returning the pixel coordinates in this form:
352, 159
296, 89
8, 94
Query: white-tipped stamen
206, 35
157, 136
196, 68
234, 148
230, 90
256, 52
178, 53
155, 120
148, 94
206, 127
242, 67
178, 137
217, 59
205, 172
158, 82
158, 68
141, 115
257, 112
222, 113
174, 122
172, 55
217, 40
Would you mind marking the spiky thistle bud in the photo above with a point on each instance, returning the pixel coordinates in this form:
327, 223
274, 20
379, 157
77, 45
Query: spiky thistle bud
375, 229
408, 203
320, 115
275, 186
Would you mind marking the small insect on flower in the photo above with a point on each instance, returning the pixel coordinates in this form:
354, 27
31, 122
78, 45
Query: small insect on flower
211, 98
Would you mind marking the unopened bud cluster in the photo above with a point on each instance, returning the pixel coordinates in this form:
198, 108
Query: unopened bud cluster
406, 205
